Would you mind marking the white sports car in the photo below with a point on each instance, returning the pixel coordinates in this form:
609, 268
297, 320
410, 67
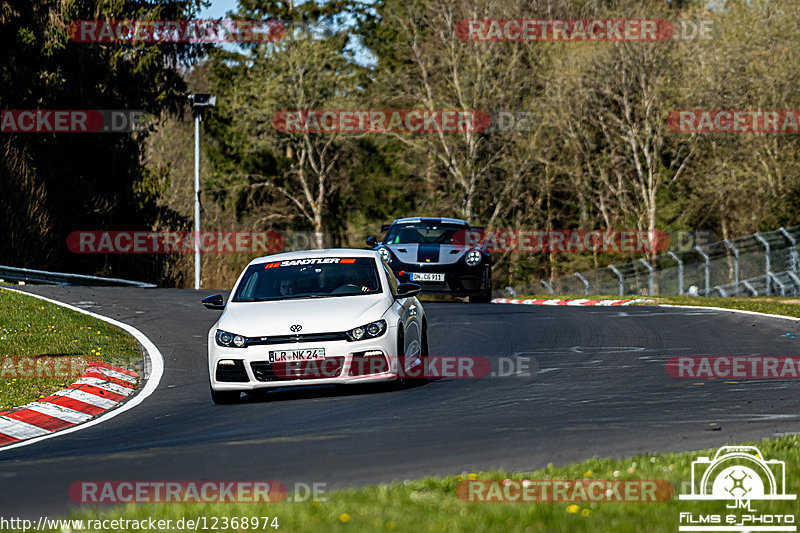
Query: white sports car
315, 317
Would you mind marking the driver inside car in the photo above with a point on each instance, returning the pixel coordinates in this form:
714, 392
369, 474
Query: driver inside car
288, 287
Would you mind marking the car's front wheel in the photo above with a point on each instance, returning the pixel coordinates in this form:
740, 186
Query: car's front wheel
400, 381
224, 397
486, 295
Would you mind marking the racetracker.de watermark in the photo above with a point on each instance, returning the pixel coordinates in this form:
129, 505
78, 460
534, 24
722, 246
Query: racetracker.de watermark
183, 242
557, 491
42, 366
583, 30
734, 367
73, 120
381, 121
120, 492
734, 121
176, 31
411, 368
563, 241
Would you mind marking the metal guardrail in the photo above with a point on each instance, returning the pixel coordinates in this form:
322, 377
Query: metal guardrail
761, 264
58, 278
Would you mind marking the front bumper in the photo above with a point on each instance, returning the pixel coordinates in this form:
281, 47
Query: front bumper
459, 279
342, 364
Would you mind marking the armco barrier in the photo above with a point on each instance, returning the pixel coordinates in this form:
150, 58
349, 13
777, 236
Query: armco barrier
58, 278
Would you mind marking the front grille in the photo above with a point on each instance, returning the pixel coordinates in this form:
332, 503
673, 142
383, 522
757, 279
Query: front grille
234, 373
362, 365
329, 367
292, 339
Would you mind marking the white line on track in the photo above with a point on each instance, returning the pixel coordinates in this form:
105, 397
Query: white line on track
156, 364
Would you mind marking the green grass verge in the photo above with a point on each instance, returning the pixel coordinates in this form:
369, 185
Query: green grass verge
43, 347
431, 504
776, 305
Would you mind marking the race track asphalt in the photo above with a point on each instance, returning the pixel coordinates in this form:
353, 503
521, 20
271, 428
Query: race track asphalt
599, 389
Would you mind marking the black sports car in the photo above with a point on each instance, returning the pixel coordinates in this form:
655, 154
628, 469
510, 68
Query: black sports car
439, 254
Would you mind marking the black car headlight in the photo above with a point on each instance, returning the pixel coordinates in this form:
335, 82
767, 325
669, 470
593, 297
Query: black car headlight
367, 331
473, 257
385, 255
230, 340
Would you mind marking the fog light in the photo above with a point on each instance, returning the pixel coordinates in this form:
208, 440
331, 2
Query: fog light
226, 362
373, 353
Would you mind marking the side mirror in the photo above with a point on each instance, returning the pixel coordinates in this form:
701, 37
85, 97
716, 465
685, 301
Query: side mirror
372, 241
407, 290
215, 302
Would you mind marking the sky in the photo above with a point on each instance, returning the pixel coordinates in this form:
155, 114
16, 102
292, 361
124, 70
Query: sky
218, 9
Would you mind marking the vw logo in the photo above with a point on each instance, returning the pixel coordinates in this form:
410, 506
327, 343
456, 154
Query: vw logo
296, 328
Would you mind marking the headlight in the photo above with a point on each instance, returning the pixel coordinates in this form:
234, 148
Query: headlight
473, 257
385, 255
368, 331
230, 340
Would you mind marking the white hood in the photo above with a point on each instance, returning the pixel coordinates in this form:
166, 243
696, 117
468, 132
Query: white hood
321, 315
441, 254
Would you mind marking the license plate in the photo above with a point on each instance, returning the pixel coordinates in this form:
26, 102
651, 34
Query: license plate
296, 355
426, 276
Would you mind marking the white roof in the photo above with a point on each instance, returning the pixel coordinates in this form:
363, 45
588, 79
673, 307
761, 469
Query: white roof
305, 254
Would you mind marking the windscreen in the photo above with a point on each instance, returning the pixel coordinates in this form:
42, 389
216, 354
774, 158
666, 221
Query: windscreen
424, 233
312, 277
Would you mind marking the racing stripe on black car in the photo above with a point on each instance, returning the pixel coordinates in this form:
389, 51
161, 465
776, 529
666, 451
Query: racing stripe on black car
428, 253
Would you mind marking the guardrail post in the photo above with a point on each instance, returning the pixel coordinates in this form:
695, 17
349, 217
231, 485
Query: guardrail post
680, 271
619, 276
735, 260
766, 264
547, 286
651, 277
750, 287
793, 254
585, 283
707, 268
779, 283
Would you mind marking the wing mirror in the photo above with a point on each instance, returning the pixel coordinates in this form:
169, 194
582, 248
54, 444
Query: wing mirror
407, 290
215, 302
372, 241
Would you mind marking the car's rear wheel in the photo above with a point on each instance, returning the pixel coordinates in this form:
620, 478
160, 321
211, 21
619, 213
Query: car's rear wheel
224, 397
486, 296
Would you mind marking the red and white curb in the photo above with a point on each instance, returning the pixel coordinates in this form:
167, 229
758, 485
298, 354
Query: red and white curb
100, 394
100, 388
558, 301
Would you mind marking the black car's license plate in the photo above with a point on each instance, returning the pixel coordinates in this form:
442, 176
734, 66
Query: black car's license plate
296, 355
426, 276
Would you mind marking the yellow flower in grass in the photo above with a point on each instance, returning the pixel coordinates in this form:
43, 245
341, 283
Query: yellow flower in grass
586, 512
344, 517
588, 473
472, 477
573, 509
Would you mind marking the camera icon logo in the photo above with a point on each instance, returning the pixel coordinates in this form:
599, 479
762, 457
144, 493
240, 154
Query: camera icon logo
738, 473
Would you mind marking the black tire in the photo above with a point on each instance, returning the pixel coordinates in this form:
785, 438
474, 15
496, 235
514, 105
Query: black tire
225, 397
399, 381
424, 348
486, 296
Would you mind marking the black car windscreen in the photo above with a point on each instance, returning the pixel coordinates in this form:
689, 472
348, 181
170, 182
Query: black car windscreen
424, 233
309, 277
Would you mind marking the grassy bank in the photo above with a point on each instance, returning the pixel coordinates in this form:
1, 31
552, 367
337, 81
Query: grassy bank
431, 504
43, 347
